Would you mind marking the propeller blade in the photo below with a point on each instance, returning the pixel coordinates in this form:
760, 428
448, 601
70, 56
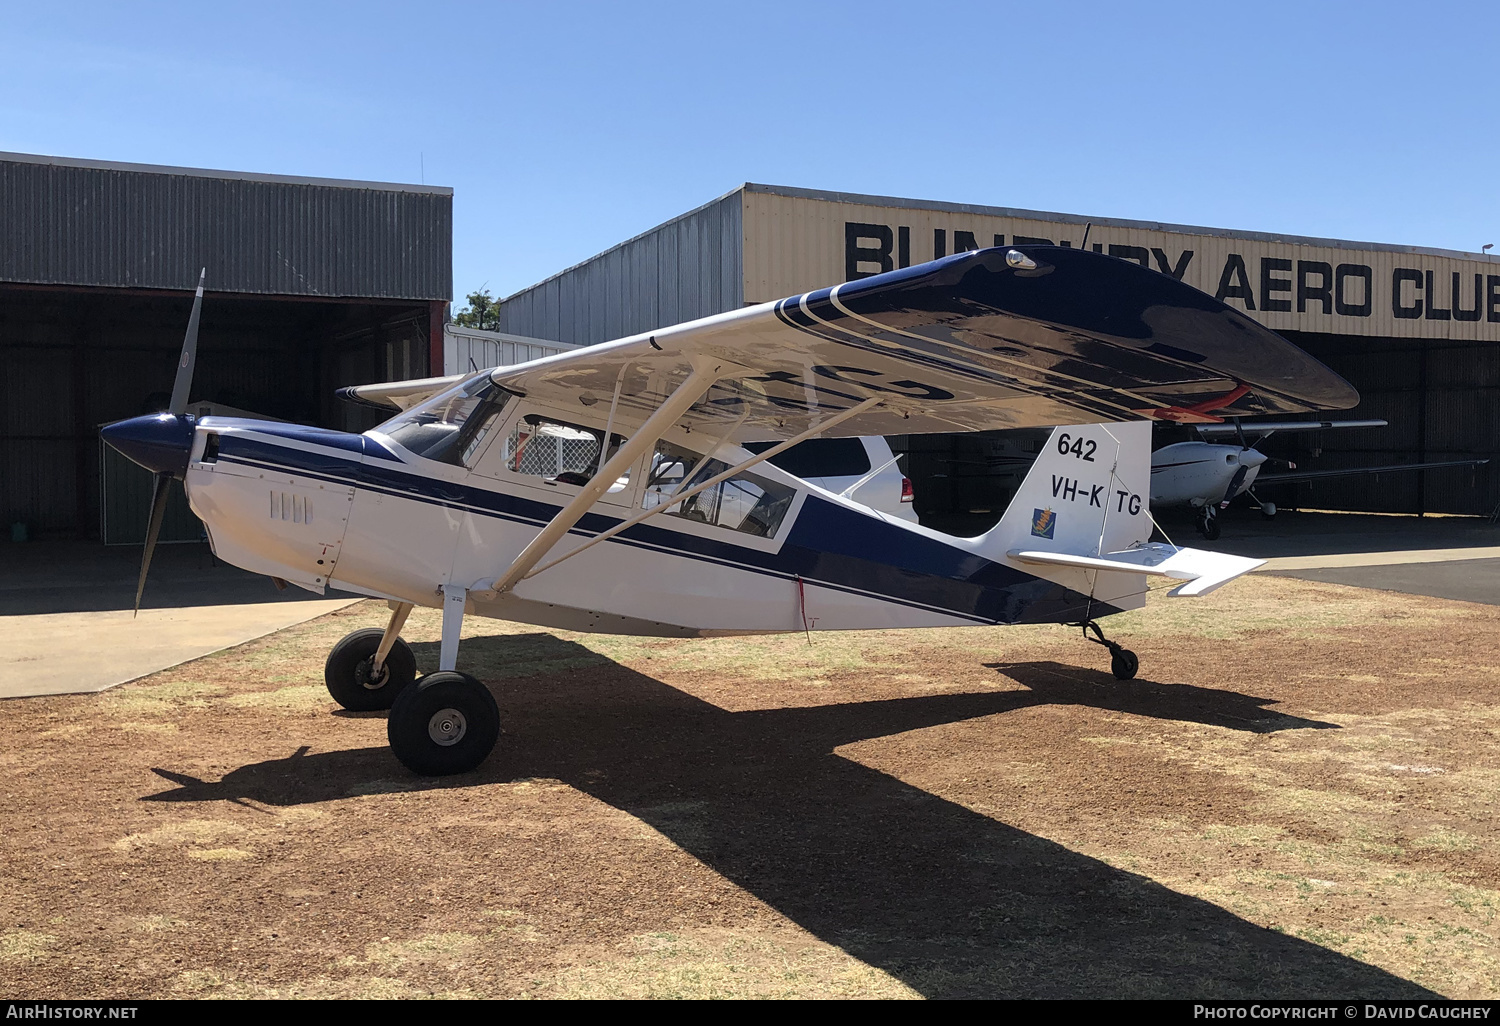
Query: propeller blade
185, 366
1235, 483
153, 528
1239, 432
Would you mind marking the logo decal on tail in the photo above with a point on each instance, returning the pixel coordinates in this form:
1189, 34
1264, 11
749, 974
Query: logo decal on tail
1043, 521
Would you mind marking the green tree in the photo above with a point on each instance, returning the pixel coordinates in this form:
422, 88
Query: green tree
481, 312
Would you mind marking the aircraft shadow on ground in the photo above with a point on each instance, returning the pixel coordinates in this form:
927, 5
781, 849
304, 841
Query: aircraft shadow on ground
951, 902
56, 577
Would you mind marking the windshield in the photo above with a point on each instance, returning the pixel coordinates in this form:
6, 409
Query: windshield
452, 426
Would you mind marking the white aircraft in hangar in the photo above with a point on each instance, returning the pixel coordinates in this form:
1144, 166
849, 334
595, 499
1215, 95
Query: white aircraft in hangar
607, 488
1206, 475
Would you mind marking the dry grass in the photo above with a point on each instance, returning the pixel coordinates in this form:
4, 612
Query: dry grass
1298, 797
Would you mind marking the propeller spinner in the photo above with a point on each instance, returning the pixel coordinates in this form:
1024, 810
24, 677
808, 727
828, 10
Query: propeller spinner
162, 442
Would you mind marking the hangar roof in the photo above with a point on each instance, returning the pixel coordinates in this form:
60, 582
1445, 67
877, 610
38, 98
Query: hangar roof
117, 225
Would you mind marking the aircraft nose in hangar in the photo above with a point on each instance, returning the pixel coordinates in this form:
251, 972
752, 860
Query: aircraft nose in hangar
160, 442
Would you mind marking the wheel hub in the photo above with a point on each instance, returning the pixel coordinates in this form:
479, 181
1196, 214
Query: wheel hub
372, 681
447, 727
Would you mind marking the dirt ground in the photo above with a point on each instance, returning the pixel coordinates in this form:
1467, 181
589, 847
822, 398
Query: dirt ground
1296, 798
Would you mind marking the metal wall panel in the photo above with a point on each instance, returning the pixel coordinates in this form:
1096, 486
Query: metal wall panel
34, 492
130, 226
1422, 360
466, 349
687, 268
797, 240
1442, 400
37, 412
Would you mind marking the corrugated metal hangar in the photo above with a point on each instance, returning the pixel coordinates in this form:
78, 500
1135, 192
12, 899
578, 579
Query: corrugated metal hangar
311, 284
1415, 330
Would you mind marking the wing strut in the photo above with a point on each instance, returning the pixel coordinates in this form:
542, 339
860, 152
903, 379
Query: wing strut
693, 388
680, 496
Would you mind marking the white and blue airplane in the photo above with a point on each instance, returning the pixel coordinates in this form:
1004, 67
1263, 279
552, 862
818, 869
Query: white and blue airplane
608, 488
1206, 476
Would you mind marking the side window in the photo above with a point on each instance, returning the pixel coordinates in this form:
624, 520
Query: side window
558, 452
820, 457
745, 502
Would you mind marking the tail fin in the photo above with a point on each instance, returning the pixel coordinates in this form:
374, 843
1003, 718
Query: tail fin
1086, 494
1080, 519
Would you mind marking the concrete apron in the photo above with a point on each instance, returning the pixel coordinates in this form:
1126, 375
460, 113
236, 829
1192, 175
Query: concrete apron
1342, 559
77, 653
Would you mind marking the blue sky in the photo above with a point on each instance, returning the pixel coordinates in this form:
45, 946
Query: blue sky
567, 127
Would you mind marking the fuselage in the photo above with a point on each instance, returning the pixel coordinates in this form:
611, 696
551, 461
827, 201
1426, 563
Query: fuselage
365, 514
1202, 473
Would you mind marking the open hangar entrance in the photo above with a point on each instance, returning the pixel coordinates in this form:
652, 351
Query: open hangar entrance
73, 359
310, 285
1415, 330
1442, 399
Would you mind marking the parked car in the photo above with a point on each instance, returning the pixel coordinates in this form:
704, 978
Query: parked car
839, 463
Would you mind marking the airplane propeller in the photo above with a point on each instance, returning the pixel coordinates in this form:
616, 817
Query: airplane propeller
161, 442
1238, 481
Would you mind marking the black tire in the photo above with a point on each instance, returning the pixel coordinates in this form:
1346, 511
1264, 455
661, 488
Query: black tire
1123, 664
347, 671
446, 723
1209, 529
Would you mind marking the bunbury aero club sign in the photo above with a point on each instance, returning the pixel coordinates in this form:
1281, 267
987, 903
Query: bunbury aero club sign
1285, 282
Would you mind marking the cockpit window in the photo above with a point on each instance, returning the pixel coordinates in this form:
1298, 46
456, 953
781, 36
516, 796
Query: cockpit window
745, 503
558, 452
453, 426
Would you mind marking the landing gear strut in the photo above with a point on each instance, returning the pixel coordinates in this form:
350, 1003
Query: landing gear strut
1267, 509
1208, 522
446, 722
1123, 662
367, 669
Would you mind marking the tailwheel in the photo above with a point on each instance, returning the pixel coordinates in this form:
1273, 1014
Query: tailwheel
352, 678
1123, 663
446, 723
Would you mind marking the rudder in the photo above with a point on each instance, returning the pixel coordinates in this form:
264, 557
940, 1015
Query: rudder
1086, 495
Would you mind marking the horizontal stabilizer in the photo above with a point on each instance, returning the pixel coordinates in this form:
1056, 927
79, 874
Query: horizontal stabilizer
1201, 570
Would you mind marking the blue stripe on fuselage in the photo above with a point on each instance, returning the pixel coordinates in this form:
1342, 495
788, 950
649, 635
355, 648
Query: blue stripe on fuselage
829, 544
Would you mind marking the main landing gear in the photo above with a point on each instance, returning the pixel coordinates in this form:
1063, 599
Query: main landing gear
1122, 662
446, 722
1208, 521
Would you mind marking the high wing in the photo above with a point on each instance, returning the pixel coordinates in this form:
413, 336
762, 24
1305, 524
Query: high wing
1261, 428
1314, 475
399, 395
997, 338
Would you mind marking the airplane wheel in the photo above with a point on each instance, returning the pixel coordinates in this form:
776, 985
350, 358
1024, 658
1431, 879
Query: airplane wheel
1123, 664
1209, 529
448, 723
347, 671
